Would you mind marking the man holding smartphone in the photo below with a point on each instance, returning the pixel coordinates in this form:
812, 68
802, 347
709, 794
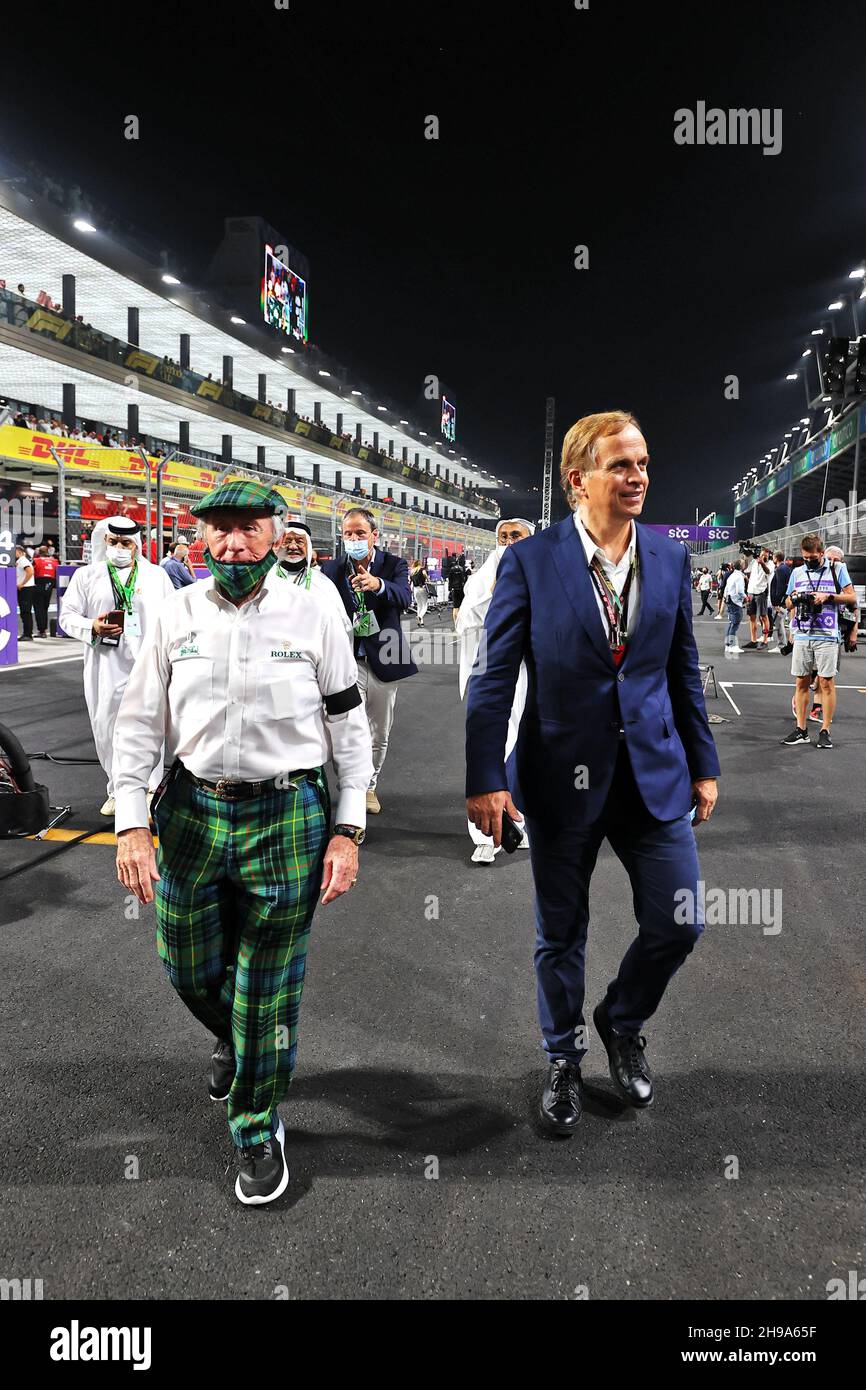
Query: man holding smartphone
374, 587
109, 606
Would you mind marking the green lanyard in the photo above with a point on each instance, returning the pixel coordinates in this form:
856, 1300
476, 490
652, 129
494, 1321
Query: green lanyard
123, 592
305, 577
358, 595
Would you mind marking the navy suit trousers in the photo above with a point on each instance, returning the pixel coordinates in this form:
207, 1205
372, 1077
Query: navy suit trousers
660, 858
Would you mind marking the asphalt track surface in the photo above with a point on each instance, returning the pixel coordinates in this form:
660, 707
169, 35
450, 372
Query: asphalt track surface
418, 1042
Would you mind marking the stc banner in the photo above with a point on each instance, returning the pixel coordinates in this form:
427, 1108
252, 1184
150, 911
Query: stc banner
695, 534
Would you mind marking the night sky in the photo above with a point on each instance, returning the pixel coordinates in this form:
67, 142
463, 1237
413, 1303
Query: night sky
456, 256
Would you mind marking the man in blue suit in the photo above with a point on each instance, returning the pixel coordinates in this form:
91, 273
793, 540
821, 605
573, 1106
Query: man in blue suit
614, 743
374, 586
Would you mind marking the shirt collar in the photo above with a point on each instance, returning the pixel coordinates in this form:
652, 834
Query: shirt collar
591, 549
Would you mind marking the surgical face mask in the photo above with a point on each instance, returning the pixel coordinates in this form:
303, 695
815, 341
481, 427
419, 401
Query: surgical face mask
294, 564
357, 550
814, 562
119, 556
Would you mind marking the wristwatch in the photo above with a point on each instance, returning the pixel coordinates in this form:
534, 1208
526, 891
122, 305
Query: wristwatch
351, 832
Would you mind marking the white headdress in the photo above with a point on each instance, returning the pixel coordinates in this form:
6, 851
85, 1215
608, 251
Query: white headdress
111, 527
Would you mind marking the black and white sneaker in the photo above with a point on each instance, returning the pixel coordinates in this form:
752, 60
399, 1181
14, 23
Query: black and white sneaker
795, 738
824, 739
263, 1174
222, 1070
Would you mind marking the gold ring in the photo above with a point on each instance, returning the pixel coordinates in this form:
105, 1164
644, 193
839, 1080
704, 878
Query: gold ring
354, 881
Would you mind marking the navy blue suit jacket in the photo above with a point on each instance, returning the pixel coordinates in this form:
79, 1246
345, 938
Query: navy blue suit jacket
544, 612
387, 651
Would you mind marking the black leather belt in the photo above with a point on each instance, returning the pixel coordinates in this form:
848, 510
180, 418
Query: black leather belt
228, 790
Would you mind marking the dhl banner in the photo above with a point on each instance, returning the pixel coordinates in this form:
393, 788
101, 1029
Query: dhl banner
26, 447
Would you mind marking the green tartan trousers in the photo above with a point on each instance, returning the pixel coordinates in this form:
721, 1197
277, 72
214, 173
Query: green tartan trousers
239, 883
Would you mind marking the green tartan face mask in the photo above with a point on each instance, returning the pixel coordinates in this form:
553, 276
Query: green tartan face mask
239, 577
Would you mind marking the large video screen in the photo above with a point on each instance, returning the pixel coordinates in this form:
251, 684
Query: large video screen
449, 421
284, 298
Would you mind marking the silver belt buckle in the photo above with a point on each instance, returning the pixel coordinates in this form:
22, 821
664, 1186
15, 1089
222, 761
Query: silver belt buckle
221, 784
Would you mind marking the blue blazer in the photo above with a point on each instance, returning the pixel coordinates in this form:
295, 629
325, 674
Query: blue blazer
544, 612
387, 651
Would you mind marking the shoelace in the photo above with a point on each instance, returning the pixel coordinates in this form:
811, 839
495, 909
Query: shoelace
258, 1153
562, 1080
631, 1056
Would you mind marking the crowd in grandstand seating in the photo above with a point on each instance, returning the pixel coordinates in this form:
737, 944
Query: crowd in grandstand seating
315, 429
105, 438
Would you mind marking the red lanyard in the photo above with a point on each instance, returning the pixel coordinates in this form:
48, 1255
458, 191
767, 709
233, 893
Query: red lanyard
615, 607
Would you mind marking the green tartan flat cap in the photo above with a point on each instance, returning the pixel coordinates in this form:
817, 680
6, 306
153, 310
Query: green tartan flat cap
242, 495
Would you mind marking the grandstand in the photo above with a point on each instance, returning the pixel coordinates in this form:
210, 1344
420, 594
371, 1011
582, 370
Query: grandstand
126, 388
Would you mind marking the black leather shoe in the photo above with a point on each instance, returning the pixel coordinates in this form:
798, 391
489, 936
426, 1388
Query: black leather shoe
222, 1071
263, 1174
562, 1098
629, 1068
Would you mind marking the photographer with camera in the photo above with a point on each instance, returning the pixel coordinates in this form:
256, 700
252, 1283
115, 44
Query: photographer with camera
816, 591
760, 573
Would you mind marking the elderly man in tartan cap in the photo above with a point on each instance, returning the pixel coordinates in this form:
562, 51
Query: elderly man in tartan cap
252, 682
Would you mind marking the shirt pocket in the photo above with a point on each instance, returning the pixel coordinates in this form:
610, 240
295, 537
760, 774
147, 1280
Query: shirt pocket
275, 691
191, 686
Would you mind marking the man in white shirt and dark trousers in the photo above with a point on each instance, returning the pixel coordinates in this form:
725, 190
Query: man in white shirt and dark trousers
705, 589
253, 683
26, 592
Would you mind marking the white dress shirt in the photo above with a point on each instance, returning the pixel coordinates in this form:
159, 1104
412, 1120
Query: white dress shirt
735, 587
617, 574
240, 693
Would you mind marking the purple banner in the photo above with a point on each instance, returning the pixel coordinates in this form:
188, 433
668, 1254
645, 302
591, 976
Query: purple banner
8, 615
64, 574
696, 534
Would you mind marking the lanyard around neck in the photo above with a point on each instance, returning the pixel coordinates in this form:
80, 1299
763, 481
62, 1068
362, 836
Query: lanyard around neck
304, 576
615, 605
125, 591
